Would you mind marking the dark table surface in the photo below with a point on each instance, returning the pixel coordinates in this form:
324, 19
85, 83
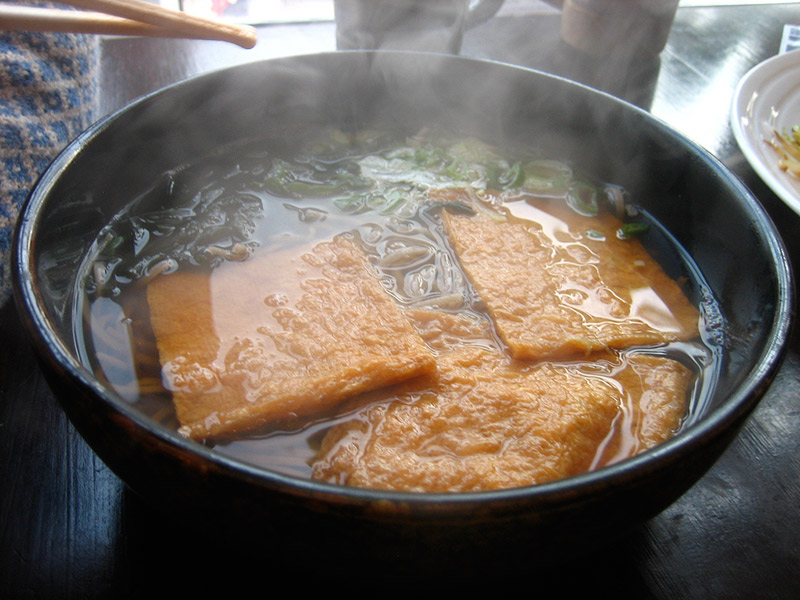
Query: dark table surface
70, 528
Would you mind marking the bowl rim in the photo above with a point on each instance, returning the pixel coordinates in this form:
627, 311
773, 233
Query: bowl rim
52, 350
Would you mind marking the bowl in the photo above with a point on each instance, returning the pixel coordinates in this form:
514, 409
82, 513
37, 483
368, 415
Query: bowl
708, 211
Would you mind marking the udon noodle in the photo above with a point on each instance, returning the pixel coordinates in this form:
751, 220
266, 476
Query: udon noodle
424, 314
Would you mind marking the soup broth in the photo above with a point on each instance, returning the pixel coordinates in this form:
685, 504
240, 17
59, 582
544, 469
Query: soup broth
443, 222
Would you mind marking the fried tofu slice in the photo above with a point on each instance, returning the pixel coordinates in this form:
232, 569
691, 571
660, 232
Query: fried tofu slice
557, 283
657, 394
444, 331
484, 421
278, 336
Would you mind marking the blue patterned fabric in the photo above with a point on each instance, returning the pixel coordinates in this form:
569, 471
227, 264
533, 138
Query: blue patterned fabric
48, 94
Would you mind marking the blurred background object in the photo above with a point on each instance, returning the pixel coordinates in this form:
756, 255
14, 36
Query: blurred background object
48, 95
408, 24
258, 11
288, 11
597, 26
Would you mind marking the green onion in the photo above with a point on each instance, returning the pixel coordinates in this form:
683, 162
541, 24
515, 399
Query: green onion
546, 177
582, 198
512, 177
393, 201
350, 204
629, 230
457, 207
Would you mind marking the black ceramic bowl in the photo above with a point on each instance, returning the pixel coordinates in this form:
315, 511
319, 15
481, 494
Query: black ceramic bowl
707, 209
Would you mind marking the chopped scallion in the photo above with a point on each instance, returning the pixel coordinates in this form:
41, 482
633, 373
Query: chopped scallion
629, 230
582, 198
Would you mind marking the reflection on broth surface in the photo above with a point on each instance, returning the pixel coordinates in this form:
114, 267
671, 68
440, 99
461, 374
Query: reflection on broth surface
428, 314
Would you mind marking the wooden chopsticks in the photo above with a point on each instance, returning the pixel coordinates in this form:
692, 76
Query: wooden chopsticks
124, 17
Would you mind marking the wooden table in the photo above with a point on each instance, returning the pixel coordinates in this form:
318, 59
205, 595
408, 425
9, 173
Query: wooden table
70, 529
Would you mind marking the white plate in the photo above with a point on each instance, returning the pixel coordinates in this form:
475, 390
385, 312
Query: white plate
767, 99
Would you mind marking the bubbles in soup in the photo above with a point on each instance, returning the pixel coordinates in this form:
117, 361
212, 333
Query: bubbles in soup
428, 314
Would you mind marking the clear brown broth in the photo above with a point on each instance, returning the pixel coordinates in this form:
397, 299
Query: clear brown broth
116, 341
